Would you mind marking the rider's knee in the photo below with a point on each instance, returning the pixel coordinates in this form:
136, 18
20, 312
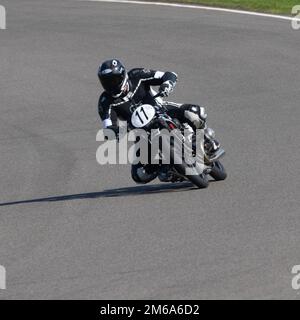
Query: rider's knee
195, 115
199, 110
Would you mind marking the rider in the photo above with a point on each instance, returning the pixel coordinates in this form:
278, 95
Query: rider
123, 89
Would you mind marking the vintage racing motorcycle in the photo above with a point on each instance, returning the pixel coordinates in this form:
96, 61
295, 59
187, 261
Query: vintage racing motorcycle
197, 169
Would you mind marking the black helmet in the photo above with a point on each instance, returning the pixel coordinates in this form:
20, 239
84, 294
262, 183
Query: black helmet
113, 77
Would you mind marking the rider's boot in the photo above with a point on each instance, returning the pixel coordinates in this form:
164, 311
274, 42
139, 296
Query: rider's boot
211, 145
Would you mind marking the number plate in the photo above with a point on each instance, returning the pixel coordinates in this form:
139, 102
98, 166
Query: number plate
142, 115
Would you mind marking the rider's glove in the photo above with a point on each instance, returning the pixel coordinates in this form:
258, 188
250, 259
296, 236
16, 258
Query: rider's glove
166, 88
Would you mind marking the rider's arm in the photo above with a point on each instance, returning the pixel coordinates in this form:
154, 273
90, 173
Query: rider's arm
107, 114
166, 81
156, 78
160, 78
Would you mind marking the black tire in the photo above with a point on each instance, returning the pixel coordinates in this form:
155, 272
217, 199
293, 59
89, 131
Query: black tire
199, 180
218, 171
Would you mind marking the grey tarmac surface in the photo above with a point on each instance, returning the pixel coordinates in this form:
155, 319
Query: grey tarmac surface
72, 229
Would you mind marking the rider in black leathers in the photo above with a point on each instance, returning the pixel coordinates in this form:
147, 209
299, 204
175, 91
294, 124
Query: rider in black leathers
124, 91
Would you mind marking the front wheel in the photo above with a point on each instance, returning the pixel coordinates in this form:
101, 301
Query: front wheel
218, 171
199, 180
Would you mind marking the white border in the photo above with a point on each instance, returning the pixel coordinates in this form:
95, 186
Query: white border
179, 5
2, 278
2, 18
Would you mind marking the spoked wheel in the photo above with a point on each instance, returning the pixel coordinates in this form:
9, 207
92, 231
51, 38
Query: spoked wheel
218, 171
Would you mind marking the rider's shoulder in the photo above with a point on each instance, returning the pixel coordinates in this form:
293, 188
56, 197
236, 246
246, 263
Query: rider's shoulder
134, 72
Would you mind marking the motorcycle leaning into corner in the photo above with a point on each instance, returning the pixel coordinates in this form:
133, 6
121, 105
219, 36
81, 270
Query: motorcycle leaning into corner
181, 154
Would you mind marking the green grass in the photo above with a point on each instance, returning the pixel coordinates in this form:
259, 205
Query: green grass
271, 6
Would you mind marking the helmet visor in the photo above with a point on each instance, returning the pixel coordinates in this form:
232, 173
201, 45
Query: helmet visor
112, 83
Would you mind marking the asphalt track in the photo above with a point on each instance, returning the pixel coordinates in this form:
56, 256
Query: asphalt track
70, 228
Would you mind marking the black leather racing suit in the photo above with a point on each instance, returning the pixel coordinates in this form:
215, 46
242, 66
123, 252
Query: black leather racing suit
140, 82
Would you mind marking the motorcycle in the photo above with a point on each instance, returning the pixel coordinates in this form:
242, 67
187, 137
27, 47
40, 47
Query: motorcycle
153, 118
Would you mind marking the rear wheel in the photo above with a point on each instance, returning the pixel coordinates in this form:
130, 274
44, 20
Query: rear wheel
218, 171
